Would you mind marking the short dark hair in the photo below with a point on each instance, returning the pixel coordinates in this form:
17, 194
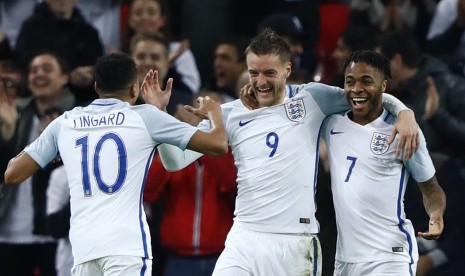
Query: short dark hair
404, 44
158, 38
62, 61
115, 72
239, 42
374, 59
269, 42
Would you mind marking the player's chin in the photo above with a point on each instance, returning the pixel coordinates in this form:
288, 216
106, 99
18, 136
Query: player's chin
263, 102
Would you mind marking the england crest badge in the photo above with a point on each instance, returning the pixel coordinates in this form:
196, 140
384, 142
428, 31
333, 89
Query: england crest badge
379, 143
295, 110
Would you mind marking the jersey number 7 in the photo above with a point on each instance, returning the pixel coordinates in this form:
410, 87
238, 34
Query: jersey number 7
352, 165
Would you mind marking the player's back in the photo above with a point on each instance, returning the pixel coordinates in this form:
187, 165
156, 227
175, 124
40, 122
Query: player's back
106, 149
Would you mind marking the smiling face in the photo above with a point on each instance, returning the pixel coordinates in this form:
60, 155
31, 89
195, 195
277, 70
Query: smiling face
268, 74
146, 16
45, 77
364, 86
150, 54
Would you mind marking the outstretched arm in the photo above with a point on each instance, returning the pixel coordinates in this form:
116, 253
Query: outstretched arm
175, 159
434, 201
211, 143
216, 138
20, 168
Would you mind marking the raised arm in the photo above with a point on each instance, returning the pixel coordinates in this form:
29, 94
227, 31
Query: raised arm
434, 201
211, 143
152, 92
214, 142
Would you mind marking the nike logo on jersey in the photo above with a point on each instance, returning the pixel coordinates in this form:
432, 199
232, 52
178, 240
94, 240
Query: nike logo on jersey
332, 132
241, 123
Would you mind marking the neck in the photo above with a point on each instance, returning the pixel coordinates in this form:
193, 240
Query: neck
124, 98
45, 103
364, 119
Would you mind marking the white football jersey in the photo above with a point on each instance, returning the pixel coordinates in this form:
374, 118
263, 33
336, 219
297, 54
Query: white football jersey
368, 184
276, 154
106, 149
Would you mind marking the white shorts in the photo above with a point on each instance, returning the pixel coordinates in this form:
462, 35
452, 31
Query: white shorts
257, 253
114, 266
375, 268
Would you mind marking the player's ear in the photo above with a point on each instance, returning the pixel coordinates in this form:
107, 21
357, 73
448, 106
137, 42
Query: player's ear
288, 70
384, 85
96, 88
134, 91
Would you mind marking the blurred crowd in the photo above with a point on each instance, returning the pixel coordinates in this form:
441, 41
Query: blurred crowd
47, 52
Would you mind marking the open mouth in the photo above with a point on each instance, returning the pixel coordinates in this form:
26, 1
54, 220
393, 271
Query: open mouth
40, 82
263, 90
220, 74
359, 102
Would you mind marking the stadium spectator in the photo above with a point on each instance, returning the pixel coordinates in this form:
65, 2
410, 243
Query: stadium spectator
151, 52
58, 26
25, 243
228, 65
149, 17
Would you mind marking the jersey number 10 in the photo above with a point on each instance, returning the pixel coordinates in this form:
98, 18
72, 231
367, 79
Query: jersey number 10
83, 142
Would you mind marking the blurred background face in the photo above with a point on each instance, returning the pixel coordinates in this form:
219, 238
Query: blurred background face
45, 78
340, 54
11, 81
148, 55
295, 45
226, 66
396, 65
62, 8
146, 16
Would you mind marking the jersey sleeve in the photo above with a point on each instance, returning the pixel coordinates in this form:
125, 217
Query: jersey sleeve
226, 108
330, 99
164, 128
324, 127
420, 165
393, 105
175, 159
45, 148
